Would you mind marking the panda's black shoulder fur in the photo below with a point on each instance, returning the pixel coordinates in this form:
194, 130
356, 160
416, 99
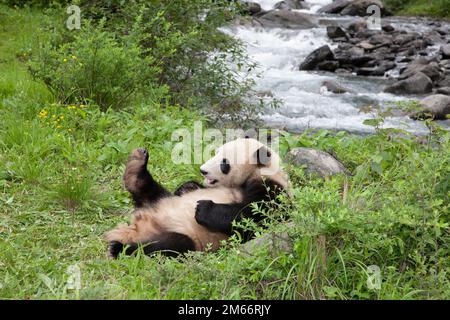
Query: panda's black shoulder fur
219, 217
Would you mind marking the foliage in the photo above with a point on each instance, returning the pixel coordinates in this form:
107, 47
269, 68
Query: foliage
139, 44
94, 66
61, 189
433, 8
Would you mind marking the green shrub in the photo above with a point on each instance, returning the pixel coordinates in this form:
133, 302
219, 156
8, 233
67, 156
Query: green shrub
94, 66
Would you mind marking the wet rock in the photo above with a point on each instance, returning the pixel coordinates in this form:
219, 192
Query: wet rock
436, 107
316, 162
335, 7
443, 90
334, 32
359, 7
317, 56
403, 39
445, 50
287, 19
387, 28
445, 82
328, 65
366, 45
377, 71
380, 39
265, 93
417, 84
357, 26
342, 71
334, 87
251, 8
432, 70
290, 4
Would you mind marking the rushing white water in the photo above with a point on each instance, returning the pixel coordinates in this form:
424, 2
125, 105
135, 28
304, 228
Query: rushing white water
305, 103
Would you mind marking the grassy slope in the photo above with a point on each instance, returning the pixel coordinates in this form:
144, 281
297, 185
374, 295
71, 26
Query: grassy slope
60, 190
431, 8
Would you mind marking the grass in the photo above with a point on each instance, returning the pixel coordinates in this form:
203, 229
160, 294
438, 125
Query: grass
431, 8
61, 189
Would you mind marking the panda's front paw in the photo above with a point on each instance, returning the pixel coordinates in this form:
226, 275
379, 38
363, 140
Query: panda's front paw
140, 154
203, 211
114, 249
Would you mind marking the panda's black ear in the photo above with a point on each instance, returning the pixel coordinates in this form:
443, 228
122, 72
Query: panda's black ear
263, 156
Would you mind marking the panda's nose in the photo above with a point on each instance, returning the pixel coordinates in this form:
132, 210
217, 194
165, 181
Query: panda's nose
203, 172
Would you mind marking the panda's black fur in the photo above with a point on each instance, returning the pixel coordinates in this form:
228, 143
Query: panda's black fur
195, 217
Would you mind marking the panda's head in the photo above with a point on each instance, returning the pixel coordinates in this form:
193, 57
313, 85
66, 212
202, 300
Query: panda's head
241, 160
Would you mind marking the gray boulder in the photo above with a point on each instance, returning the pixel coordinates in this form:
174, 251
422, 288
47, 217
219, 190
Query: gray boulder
443, 90
436, 107
417, 84
335, 7
432, 69
445, 50
314, 58
334, 87
290, 4
328, 65
251, 8
334, 32
275, 242
359, 7
288, 19
316, 162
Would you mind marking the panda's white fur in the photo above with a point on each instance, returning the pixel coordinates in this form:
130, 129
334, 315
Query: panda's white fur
177, 213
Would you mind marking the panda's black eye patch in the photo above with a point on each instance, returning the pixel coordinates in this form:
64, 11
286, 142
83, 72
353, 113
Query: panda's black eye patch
225, 166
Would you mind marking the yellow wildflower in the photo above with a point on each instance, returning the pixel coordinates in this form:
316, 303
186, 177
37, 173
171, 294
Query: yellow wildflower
65, 60
54, 116
74, 58
58, 127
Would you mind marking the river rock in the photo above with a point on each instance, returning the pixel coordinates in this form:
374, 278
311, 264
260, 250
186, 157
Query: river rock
443, 90
417, 84
445, 82
436, 107
317, 56
334, 32
432, 70
316, 162
290, 4
335, 7
445, 50
359, 7
377, 71
357, 26
275, 242
251, 8
334, 87
287, 19
328, 65
387, 28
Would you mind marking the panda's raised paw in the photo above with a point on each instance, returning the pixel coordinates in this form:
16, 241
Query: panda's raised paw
140, 154
203, 211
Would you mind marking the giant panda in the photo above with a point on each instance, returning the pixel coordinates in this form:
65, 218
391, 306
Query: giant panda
196, 217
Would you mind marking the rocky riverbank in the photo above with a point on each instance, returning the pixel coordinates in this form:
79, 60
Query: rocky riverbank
411, 57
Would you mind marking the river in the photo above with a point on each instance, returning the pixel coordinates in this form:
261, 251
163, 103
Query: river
305, 103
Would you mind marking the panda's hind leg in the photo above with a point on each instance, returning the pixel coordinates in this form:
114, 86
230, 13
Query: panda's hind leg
169, 243
139, 182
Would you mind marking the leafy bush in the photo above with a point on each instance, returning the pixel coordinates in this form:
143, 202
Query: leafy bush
94, 66
201, 65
